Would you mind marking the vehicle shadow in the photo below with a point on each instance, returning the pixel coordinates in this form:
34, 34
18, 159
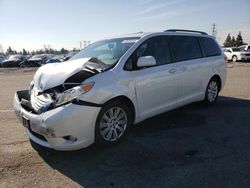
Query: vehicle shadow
158, 151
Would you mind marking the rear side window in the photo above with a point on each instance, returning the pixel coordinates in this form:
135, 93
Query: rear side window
185, 48
210, 47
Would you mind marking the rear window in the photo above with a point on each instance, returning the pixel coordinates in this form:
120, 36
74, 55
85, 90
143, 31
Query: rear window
185, 48
210, 47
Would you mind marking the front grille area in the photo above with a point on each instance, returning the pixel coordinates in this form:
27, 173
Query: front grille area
40, 103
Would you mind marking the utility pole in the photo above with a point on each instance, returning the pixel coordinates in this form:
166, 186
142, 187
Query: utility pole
214, 30
84, 43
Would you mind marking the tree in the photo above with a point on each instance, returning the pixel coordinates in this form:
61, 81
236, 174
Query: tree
24, 52
233, 42
228, 41
239, 40
63, 51
9, 51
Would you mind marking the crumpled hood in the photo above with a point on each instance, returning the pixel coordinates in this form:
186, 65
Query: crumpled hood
52, 75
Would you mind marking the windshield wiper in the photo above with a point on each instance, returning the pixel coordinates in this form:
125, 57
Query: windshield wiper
95, 64
96, 60
94, 69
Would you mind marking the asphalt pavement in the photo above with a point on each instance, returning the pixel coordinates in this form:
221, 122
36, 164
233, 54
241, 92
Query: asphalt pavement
193, 146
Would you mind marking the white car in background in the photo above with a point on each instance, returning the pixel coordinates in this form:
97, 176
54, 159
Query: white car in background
111, 84
236, 54
245, 48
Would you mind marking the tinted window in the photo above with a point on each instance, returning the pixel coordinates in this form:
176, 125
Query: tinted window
185, 48
156, 47
210, 47
236, 49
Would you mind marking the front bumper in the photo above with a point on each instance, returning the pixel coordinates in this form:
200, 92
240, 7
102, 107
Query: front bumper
67, 121
244, 58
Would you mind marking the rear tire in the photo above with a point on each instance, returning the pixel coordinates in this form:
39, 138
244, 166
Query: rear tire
212, 91
113, 123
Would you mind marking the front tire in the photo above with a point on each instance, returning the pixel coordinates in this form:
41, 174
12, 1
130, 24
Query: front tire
112, 123
212, 91
234, 58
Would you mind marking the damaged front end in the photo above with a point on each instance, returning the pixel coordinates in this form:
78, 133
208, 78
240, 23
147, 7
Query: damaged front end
32, 102
52, 98
43, 111
38, 100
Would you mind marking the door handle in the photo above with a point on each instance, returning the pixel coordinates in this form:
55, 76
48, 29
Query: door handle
183, 69
172, 71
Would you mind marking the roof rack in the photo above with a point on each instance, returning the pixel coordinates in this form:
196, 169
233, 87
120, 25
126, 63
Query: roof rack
183, 30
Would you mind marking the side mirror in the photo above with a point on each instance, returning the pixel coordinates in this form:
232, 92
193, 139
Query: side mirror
146, 61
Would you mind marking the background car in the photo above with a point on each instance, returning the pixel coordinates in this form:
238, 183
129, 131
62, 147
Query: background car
69, 55
36, 60
245, 48
56, 59
2, 58
13, 61
236, 54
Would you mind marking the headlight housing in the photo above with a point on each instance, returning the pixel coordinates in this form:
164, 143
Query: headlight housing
70, 94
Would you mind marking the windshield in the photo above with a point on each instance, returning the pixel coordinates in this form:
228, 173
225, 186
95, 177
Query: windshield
58, 57
107, 51
236, 49
37, 56
15, 57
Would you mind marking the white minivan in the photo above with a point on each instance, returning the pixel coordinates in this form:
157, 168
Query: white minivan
114, 83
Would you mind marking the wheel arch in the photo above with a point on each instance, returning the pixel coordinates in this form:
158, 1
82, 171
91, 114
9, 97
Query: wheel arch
216, 77
235, 55
126, 101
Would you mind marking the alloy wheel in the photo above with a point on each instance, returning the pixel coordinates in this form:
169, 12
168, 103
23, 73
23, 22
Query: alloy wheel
113, 124
212, 91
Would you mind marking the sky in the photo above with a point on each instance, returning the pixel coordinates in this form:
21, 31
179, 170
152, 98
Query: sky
31, 24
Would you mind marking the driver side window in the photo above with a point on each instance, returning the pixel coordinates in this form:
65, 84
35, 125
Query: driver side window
156, 47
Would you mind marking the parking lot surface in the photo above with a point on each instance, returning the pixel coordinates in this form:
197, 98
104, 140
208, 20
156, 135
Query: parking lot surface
194, 146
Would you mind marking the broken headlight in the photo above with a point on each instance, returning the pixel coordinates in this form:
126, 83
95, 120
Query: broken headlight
70, 94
